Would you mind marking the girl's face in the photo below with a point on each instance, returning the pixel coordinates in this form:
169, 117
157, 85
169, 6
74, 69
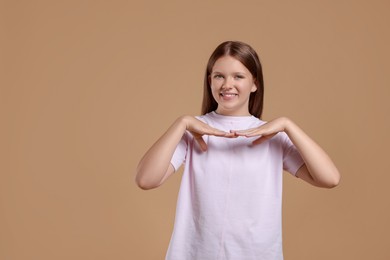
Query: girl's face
231, 85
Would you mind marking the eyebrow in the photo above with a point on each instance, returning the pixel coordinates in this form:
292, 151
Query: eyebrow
217, 72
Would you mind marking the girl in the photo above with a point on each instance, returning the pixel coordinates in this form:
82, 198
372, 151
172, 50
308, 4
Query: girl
230, 199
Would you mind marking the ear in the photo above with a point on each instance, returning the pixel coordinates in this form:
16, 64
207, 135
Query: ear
254, 87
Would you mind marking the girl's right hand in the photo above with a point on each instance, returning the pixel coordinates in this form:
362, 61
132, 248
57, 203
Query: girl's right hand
155, 166
198, 128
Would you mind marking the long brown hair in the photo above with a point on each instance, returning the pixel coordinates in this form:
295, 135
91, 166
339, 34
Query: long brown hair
249, 58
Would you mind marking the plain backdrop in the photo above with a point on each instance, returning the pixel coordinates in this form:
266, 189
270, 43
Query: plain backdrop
88, 86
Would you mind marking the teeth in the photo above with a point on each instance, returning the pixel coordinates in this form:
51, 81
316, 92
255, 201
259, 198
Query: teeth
228, 94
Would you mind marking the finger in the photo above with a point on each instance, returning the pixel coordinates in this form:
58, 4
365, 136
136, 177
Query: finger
217, 132
249, 132
201, 142
231, 135
243, 131
259, 140
255, 133
262, 139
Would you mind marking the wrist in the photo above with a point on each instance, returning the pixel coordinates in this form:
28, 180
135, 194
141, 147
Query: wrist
288, 124
183, 122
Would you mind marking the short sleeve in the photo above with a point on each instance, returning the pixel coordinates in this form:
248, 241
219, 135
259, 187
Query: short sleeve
180, 154
292, 159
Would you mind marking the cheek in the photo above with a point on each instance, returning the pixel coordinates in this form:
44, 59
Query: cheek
214, 92
214, 85
213, 82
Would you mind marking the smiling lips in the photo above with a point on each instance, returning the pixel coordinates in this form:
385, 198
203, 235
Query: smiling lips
228, 94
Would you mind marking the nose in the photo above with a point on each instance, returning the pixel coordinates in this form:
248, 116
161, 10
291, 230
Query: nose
228, 83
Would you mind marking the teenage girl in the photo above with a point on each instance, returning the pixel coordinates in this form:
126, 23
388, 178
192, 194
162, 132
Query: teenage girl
230, 199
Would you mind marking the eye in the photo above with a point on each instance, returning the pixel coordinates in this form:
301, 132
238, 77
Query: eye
239, 76
218, 76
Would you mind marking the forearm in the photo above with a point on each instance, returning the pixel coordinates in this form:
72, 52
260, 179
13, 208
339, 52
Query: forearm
155, 163
320, 166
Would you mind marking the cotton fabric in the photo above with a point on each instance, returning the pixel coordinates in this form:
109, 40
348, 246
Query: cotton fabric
230, 200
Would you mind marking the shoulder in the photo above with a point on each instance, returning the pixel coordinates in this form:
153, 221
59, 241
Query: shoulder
206, 118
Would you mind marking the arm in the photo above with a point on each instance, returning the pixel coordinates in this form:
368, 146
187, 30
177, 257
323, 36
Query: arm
318, 170
155, 167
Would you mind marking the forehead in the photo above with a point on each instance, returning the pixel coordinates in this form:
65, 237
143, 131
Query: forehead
229, 64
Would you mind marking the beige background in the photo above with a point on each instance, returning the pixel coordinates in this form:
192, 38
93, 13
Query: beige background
86, 88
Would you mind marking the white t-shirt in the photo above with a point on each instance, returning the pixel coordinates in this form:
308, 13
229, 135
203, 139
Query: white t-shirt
230, 200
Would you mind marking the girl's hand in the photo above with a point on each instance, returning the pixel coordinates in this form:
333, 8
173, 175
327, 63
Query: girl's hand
265, 131
197, 128
318, 170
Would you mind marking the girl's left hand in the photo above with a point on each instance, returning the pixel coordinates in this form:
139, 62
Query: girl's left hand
318, 169
265, 131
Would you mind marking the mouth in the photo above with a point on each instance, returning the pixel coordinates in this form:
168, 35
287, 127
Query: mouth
228, 94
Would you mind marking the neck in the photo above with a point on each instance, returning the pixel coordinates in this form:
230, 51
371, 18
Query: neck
232, 113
